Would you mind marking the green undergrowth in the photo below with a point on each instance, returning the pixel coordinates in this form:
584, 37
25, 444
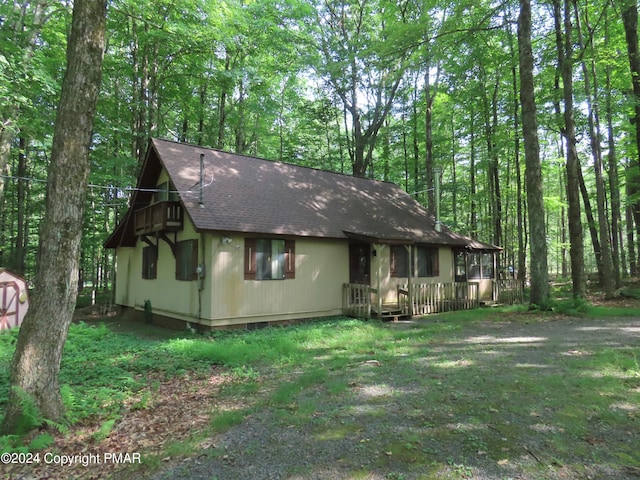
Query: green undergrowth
337, 377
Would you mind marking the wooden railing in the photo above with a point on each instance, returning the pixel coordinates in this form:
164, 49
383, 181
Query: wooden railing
159, 217
357, 300
438, 297
508, 291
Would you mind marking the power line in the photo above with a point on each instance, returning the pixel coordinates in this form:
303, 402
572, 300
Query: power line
115, 187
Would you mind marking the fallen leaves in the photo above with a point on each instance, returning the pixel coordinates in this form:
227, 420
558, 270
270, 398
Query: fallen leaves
176, 409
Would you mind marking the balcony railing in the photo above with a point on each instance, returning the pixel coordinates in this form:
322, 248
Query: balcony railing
159, 217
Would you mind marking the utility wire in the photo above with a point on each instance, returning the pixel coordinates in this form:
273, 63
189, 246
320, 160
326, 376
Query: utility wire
115, 187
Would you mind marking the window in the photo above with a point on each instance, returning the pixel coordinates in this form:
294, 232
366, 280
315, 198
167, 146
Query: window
487, 265
481, 265
461, 266
187, 260
150, 262
475, 270
427, 259
399, 261
165, 193
428, 262
269, 259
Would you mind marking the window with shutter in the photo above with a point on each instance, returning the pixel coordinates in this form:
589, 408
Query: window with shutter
269, 259
399, 261
187, 260
149, 262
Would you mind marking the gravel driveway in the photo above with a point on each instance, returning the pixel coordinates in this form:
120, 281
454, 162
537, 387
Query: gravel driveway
371, 429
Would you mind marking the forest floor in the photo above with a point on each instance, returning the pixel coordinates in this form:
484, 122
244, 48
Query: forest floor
495, 394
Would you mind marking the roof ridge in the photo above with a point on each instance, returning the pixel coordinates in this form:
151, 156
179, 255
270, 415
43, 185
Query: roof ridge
253, 157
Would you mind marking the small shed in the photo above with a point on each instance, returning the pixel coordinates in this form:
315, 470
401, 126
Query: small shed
14, 299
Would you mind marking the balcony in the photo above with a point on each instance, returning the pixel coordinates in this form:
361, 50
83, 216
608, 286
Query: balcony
159, 217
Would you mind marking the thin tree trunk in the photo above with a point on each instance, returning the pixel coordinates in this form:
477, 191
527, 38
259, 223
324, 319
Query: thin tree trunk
565, 64
473, 223
36, 362
607, 280
25, 32
630, 22
533, 172
522, 254
614, 186
20, 251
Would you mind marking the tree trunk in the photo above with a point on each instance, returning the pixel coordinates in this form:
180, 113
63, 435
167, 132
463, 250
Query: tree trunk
533, 172
25, 33
473, 221
430, 92
522, 254
614, 185
36, 362
565, 64
630, 21
20, 252
607, 280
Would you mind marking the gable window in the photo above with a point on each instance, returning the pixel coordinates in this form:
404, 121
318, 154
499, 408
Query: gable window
269, 259
187, 260
427, 260
150, 262
164, 193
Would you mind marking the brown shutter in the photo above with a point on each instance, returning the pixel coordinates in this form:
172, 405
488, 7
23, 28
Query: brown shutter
393, 261
193, 268
249, 258
289, 259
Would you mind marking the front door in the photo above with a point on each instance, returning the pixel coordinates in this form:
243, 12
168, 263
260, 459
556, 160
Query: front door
360, 263
460, 266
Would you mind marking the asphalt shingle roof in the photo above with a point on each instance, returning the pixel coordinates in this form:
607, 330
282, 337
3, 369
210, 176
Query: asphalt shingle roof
252, 195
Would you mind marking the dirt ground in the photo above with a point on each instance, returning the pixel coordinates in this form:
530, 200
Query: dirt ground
426, 419
494, 400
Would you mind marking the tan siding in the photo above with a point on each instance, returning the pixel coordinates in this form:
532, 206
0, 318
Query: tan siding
389, 284
167, 295
322, 267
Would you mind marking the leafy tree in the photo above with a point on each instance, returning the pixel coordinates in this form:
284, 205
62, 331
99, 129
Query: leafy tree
36, 362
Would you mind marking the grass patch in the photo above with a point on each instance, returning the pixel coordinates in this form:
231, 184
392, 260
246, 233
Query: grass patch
418, 400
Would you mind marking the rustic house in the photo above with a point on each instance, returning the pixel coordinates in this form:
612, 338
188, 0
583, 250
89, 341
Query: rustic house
220, 239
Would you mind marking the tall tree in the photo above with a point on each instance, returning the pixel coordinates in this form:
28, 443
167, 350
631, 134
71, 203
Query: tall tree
533, 171
18, 36
36, 362
630, 21
356, 65
562, 17
592, 100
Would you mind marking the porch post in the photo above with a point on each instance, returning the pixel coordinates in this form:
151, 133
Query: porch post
410, 280
378, 249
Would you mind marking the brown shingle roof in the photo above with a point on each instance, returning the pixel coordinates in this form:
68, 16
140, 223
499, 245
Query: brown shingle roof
246, 194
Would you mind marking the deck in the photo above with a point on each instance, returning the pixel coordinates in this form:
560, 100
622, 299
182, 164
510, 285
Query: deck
361, 301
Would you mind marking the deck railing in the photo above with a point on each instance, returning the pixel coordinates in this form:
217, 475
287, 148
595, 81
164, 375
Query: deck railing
360, 300
508, 291
159, 217
429, 298
357, 300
